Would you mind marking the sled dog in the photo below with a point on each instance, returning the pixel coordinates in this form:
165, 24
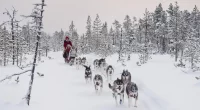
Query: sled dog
88, 74
96, 63
118, 89
126, 77
98, 83
78, 62
102, 63
109, 72
132, 92
83, 61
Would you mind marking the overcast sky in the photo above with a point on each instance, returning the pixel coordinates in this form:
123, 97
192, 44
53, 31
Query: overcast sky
59, 13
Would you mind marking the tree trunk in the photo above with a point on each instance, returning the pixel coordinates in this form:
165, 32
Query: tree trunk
46, 52
13, 39
35, 57
4, 41
182, 54
176, 52
192, 61
21, 55
17, 39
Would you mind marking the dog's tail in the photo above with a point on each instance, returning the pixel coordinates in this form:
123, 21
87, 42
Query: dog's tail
109, 85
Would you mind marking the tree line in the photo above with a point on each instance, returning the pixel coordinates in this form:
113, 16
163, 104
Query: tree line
171, 31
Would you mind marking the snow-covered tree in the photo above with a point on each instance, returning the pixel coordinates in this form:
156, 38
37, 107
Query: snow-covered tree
89, 33
97, 27
13, 21
127, 25
117, 30
112, 35
146, 33
192, 38
37, 15
5, 46
160, 23
73, 34
173, 27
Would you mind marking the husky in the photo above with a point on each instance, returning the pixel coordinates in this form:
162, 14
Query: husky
126, 77
72, 60
83, 61
88, 74
96, 63
98, 83
132, 92
102, 63
118, 89
109, 72
78, 62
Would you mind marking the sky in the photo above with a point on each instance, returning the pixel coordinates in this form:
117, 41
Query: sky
59, 13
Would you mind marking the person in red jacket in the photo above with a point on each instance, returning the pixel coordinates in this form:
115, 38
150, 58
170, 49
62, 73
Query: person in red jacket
67, 48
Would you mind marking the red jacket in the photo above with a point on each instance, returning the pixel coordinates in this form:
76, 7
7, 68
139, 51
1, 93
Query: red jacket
67, 43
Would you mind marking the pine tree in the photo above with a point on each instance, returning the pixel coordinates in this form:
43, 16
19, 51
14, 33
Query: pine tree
160, 23
117, 30
147, 30
89, 33
104, 32
97, 27
61, 38
192, 48
173, 27
112, 36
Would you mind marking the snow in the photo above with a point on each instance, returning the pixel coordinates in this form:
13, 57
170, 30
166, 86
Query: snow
161, 85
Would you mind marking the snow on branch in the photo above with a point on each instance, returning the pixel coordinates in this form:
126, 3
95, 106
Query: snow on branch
17, 74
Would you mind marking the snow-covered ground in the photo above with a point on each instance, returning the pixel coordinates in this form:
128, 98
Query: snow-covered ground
161, 86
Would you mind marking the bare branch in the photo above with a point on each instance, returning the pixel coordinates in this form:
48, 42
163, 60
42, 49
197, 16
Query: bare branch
17, 80
4, 23
41, 75
7, 12
38, 4
8, 77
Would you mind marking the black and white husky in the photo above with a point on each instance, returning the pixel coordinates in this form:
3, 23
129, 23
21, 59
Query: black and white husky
102, 63
109, 72
88, 74
132, 92
118, 89
98, 83
96, 63
126, 77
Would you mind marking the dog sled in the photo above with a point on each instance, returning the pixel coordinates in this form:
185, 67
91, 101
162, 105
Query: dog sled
70, 56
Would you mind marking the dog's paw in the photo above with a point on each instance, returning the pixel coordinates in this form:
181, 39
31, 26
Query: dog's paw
135, 106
